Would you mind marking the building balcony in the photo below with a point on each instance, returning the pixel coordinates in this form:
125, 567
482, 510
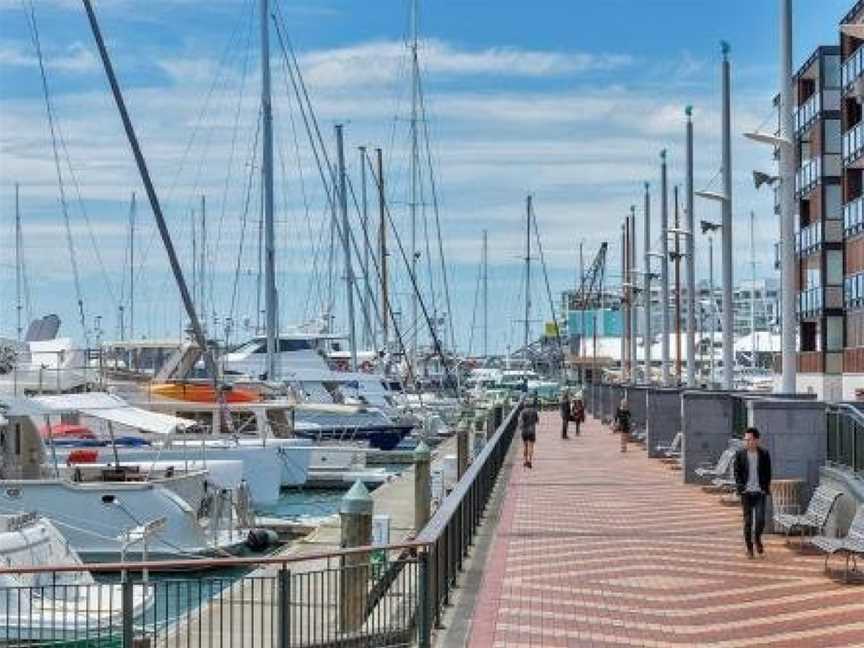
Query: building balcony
808, 176
809, 239
853, 291
853, 143
853, 216
852, 68
813, 301
808, 112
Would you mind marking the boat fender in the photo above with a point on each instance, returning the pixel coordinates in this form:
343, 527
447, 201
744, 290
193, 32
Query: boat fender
261, 539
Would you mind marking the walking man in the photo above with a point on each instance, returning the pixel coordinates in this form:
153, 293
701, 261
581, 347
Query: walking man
622, 423
753, 481
564, 406
528, 419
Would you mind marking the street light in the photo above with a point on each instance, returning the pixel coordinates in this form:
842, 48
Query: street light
708, 226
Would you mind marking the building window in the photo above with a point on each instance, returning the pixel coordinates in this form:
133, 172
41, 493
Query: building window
834, 267
834, 334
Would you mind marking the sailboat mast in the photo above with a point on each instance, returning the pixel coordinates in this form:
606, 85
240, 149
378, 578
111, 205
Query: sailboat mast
752, 293
485, 293
132, 214
18, 277
527, 287
382, 250
202, 303
346, 244
270, 305
368, 330
415, 165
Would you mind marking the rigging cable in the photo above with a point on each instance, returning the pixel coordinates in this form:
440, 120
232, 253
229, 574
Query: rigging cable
34, 33
548, 290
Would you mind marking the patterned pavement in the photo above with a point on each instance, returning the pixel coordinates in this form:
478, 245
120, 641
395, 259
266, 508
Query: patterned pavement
598, 548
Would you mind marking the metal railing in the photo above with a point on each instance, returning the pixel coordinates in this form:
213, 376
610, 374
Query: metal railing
808, 175
852, 67
390, 595
845, 442
809, 239
853, 143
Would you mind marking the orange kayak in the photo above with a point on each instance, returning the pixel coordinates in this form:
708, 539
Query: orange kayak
197, 393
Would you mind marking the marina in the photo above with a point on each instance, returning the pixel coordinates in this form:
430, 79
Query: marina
391, 324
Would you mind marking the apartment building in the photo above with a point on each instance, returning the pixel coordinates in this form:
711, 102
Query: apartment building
819, 214
852, 153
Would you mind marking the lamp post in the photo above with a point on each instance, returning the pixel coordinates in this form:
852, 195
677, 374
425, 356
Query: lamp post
646, 296
664, 269
691, 257
708, 228
728, 324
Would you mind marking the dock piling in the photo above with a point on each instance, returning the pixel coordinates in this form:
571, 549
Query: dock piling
422, 485
355, 512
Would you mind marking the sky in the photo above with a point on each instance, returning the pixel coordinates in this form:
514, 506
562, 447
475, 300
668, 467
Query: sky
568, 100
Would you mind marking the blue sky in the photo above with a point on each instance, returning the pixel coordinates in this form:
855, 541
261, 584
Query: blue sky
570, 100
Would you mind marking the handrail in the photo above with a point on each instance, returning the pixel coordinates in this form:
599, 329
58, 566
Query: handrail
849, 409
436, 525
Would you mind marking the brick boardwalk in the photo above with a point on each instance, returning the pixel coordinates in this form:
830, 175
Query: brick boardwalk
596, 548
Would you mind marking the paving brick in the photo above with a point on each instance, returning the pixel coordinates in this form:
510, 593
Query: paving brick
599, 548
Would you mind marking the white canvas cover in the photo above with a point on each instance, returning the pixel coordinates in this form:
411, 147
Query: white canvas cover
108, 407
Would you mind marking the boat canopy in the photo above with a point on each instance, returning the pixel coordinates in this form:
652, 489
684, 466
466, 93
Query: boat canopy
107, 407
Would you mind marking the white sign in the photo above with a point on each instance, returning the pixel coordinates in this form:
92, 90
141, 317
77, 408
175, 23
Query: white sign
380, 530
437, 484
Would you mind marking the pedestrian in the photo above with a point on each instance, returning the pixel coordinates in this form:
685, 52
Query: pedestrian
622, 423
564, 406
753, 482
577, 413
528, 419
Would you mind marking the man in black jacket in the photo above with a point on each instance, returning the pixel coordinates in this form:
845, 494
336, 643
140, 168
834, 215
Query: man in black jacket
753, 480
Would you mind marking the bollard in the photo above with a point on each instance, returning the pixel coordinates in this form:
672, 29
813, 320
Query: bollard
498, 415
355, 513
461, 451
422, 485
490, 423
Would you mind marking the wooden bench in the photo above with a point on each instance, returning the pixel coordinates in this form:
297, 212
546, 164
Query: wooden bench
851, 546
813, 520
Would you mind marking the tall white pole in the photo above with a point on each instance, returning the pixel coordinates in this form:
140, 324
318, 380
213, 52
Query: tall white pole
691, 258
527, 287
133, 212
712, 312
646, 283
623, 299
18, 273
346, 244
415, 167
752, 292
270, 305
728, 319
787, 202
634, 295
664, 268
485, 294
370, 324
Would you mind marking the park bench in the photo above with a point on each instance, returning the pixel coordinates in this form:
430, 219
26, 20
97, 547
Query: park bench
813, 520
851, 545
673, 449
718, 469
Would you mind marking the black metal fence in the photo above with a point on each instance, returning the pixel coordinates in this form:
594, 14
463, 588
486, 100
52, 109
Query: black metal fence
369, 596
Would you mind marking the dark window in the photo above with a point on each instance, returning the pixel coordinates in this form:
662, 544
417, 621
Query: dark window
294, 345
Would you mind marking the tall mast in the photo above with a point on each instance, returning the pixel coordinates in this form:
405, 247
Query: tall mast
485, 293
415, 164
346, 245
202, 287
382, 250
646, 284
728, 312
132, 214
664, 268
194, 255
270, 304
364, 200
18, 276
691, 257
752, 293
579, 290
527, 287
677, 291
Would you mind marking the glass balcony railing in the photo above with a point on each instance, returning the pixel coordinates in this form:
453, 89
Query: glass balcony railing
853, 291
810, 301
808, 176
809, 239
853, 143
808, 112
852, 67
853, 216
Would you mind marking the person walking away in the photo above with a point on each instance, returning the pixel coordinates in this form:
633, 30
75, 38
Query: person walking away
564, 406
622, 423
753, 482
528, 419
577, 413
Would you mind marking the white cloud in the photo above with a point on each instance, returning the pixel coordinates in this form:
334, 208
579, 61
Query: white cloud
76, 58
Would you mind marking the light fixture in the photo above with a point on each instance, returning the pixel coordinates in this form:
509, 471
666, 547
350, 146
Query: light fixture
760, 178
767, 138
708, 226
712, 195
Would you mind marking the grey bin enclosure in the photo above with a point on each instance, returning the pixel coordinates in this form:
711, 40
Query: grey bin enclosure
707, 420
663, 418
795, 433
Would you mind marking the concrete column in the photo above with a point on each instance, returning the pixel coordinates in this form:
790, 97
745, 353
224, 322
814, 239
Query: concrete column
461, 451
355, 512
423, 484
